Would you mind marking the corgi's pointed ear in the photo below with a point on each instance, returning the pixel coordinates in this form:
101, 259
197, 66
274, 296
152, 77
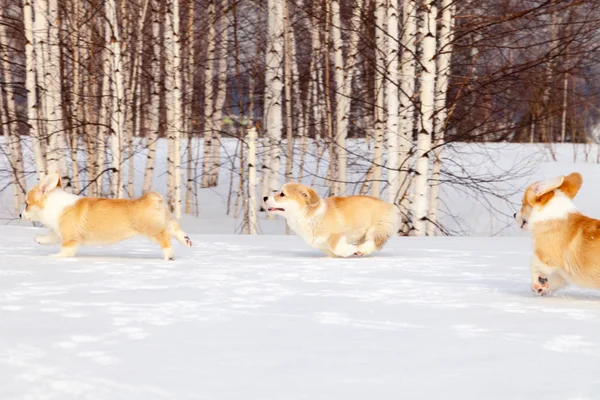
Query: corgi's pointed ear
49, 183
543, 187
312, 198
572, 184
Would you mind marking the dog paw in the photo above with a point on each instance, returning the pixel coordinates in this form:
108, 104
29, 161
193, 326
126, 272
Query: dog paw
541, 287
188, 242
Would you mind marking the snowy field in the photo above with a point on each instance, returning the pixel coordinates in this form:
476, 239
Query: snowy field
265, 317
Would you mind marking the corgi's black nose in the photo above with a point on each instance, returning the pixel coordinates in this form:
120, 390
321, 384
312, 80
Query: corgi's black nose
21, 216
515, 215
265, 198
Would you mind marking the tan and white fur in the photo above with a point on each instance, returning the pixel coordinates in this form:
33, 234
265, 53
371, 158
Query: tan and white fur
75, 220
566, 243
339, 226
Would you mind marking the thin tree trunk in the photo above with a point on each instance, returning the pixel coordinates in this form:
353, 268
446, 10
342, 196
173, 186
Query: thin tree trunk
52, 89
30, 86
209, 95
118, 99
252, 218
173, 88
392, 101
273, 92
427, 110
289, 128
344, 74
441, 87
380, 43
332, 160
189, 117
407, 110
154, 109
11, 128
217, 116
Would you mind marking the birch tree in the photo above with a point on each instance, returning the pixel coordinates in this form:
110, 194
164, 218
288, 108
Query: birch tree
52, 93
30, 86
173, 84
344, 74
209, 95
118, 99
381, 51
273, 89
12, 141
154, 105
221, 95
428, 33
289, 128
252, 218
407, 109
392, 101
439, 121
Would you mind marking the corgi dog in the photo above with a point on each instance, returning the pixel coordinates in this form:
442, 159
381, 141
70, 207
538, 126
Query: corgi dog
75, 220
566, 243
338, 226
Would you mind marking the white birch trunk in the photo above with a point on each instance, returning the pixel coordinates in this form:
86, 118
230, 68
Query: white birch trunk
441, 87
209, 95
30, 86
105, 114
273, 90
40, 43
344, 74
154, 109
118, 99
288, 97
217, 116
11, 128
7, 147
407, 110
381, 51
426, 129
52, 88
175, 100
189, 84
392, 102
252, 217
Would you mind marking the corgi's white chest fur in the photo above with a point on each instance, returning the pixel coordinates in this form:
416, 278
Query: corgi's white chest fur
306, 228
54, 206
559, 207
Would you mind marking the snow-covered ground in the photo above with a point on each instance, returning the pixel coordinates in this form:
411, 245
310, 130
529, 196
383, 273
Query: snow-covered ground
266, 317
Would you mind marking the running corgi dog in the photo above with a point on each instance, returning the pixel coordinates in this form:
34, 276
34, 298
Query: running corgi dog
566, 243
75, 220
338, 226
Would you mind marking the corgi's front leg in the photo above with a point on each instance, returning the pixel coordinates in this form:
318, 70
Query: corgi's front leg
339, 246
544, 278
67, 249
48, 239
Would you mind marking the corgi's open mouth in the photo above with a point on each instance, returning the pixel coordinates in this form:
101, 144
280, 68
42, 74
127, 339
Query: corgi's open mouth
273, 209
523, 224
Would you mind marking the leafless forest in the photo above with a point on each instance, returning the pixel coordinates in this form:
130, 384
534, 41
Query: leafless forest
86, 84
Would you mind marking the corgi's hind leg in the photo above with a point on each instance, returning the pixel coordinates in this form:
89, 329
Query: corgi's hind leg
68, 248
163, 238
367, 245
175, 230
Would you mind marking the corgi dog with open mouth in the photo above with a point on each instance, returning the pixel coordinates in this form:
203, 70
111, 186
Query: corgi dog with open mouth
75, 220
566, 243
339, 226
